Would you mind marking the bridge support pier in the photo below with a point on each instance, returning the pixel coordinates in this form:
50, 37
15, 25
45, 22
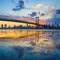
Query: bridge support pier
37, 22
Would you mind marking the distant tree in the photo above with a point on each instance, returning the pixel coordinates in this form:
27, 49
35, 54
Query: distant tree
14, 26
9, 27
1, 25
5, 25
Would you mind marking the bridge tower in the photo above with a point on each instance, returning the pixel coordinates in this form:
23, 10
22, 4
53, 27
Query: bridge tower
37, 21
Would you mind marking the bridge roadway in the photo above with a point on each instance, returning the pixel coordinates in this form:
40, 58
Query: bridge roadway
19, 21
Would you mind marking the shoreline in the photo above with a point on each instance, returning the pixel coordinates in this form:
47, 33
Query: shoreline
35, 29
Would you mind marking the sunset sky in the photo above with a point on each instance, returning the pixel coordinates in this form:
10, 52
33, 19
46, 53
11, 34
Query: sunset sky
45, 9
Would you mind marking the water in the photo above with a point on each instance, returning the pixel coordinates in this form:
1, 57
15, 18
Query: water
29, 45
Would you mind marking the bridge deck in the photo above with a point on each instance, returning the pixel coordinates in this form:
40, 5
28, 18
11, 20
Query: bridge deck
19, 21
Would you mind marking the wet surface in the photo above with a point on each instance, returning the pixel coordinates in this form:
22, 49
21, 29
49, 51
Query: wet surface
29, 45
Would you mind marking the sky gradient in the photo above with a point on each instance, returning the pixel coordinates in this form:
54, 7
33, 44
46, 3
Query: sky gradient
6, 6
46, 9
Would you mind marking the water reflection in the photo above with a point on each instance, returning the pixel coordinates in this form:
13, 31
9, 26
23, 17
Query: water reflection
36, 43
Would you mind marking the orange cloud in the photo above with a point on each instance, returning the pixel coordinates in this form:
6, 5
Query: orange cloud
42, 22
37, 6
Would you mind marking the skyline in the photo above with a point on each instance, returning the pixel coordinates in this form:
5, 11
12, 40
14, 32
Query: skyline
45, 9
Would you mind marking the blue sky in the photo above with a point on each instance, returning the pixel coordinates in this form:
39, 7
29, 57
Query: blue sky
46, 9
6, 6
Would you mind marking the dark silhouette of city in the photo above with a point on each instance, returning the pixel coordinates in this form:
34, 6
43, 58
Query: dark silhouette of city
31, 27
37, 26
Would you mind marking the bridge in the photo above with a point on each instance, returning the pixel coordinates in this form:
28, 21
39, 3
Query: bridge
18, 21
22, 21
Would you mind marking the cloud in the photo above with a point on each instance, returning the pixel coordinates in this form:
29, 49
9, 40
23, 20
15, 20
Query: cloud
58, 11
33, 14
37, 6
50, 9
39, 13
45, 17
19, 6
42, 14
55, 17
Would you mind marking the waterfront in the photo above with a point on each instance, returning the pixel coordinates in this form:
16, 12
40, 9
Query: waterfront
29, 44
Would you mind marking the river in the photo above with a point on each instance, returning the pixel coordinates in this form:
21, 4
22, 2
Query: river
29, 45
